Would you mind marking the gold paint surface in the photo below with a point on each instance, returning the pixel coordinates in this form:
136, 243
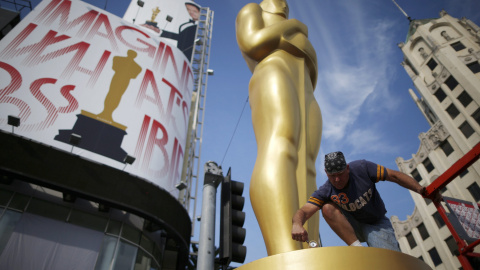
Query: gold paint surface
358, 258
286, 119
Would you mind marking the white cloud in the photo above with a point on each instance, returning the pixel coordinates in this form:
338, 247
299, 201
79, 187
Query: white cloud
368, 141
354, 56
341, 96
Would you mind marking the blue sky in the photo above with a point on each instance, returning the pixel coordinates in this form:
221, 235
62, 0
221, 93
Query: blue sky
362, 91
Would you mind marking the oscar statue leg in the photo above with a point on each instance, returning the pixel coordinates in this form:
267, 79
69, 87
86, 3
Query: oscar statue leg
314, 135
309, 142
276, 122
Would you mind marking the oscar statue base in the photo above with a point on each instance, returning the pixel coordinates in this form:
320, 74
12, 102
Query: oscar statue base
151, 23
97, 136
358, 258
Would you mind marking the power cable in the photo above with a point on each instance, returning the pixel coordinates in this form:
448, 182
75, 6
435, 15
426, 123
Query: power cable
231, 139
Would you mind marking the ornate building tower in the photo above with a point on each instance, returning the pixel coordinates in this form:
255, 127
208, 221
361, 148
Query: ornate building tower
441, 56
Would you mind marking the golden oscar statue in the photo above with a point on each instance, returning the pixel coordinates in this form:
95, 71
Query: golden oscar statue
155, 12
286, 118
125, 69
100, 133
287, 123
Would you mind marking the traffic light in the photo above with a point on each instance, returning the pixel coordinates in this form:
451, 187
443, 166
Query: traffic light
232, 218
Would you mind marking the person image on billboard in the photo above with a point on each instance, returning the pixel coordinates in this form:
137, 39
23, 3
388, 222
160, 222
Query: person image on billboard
186, 31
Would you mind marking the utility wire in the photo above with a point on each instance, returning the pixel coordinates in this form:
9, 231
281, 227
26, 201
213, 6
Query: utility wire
231, 139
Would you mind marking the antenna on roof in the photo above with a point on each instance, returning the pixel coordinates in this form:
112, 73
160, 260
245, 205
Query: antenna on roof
404, 13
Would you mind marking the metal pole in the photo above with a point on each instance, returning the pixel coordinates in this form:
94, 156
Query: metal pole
206, 245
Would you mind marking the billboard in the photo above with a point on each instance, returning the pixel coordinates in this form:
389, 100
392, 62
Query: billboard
84, 80
174, 20
468, 216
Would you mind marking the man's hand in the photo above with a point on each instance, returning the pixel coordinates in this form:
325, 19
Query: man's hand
301, 216
299, 233
437, 197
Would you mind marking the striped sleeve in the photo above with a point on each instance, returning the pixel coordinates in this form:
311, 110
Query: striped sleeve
381, 173
316, 201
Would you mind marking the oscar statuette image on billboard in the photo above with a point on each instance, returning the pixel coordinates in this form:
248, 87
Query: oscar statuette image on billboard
69, 70
175, 21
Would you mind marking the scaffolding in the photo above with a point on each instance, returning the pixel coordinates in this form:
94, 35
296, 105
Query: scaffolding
465, 249
199, 64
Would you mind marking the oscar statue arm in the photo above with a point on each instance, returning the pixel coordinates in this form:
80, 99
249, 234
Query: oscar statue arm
258, 38
298, 44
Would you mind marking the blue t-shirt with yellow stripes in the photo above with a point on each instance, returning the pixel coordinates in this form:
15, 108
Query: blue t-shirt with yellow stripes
359, 197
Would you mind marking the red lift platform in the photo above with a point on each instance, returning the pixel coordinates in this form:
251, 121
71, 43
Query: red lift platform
465, 249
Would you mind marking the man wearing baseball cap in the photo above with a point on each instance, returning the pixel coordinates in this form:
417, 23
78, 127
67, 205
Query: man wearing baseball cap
351, 204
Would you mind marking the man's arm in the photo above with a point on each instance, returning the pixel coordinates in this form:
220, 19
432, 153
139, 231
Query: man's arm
301, 216
404, 181
409, 183
170, 35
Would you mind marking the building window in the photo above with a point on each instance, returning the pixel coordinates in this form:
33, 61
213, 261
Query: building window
465, 98
5, 197
428, 165
432, 64
416, 175
438, 219
87, 220
452, 245
451, 83
411, 240
474, 189
435, 257
427, 201
423, 231
446, 147
474, 67
452, 111
466, 129
476, 115
457, 46
420, 258
464, 173
48, 209
8, 223
19, 202
440, 95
